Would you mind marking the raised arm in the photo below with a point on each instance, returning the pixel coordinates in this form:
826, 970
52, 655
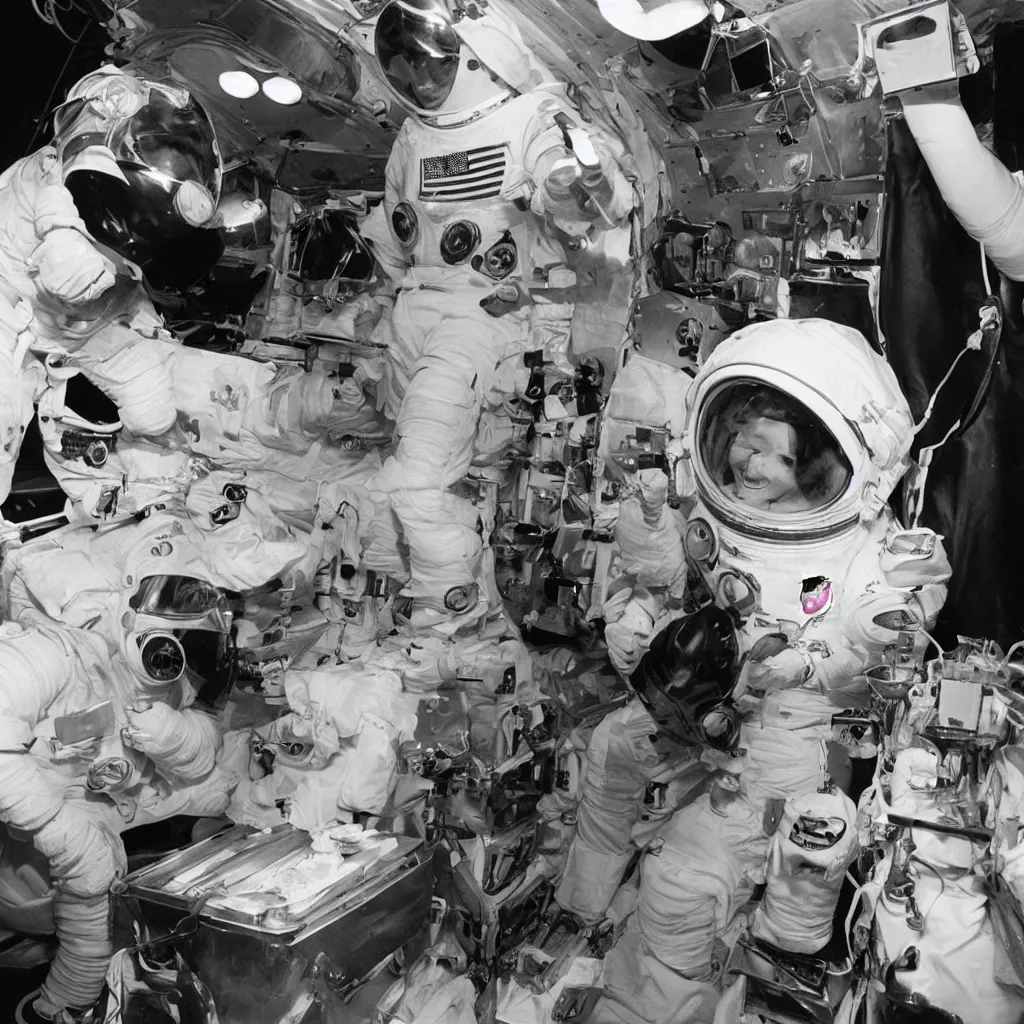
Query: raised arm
981, 191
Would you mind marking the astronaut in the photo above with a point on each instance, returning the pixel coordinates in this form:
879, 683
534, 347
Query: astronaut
796, 435
647, 760
118, 203
112, 638
486, 182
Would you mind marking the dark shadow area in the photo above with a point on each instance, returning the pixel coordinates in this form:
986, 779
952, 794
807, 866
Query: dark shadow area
932, 290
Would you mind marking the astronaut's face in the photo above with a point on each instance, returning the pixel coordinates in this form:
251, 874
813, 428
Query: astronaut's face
762, 458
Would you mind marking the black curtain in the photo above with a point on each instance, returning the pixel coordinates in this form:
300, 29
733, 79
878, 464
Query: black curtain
931, 291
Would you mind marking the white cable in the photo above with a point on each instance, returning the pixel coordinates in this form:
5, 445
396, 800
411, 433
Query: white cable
935, 394
1013, 650
933, 641
984, 270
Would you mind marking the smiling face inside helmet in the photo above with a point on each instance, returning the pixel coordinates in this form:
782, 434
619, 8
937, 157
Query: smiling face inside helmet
767, 451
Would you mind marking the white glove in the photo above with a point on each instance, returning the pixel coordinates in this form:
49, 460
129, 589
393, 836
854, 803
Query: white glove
827, 668
84, 856
70, 268
629, 617
182, 744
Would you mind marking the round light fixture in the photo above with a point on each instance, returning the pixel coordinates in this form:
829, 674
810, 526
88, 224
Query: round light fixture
239, 84
653, 19
282, 90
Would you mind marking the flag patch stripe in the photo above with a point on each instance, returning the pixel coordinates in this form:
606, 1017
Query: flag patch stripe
470, 174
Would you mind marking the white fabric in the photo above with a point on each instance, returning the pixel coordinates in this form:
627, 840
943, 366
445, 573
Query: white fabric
134, 372
785, 740
694, 886
619, 762
245, 414
803, 884
648, 537
982, 193
631, 617
519, 1005
182, 744
956, 950
914, 795
78, 970
650, 393
353, 718
640, 989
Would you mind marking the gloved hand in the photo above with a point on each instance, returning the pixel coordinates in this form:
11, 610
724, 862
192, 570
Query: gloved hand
71, 268
629, 615
85, 858
182, 744
829, 668
783, 671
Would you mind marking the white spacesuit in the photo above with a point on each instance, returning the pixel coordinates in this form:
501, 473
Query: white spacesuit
791, 531
694, 883
482, 183
122, 195
113, 636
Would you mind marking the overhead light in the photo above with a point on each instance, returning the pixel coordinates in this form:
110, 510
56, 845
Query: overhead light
239, 84
282, 90
718, 10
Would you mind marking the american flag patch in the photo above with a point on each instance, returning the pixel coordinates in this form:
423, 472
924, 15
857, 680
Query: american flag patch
458, 177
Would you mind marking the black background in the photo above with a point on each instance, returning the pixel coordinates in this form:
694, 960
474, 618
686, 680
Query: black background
40, 67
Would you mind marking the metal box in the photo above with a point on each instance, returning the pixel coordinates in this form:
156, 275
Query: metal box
294, 954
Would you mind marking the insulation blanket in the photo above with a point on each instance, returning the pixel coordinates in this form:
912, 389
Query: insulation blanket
956, 951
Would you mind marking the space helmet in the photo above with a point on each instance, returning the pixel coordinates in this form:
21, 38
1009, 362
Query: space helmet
448, 65
176, 624
141, 161
686, 678
850, 431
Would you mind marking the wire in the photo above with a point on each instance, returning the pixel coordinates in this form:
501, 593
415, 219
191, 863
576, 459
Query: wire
1011, 652
935, 394
933, 641
984, 271
50, 15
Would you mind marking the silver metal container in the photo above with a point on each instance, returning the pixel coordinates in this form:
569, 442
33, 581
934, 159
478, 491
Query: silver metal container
274, 934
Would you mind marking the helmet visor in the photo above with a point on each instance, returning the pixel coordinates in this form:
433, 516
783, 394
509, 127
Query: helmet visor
765, 450
181, 598
173, 137
418, 51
